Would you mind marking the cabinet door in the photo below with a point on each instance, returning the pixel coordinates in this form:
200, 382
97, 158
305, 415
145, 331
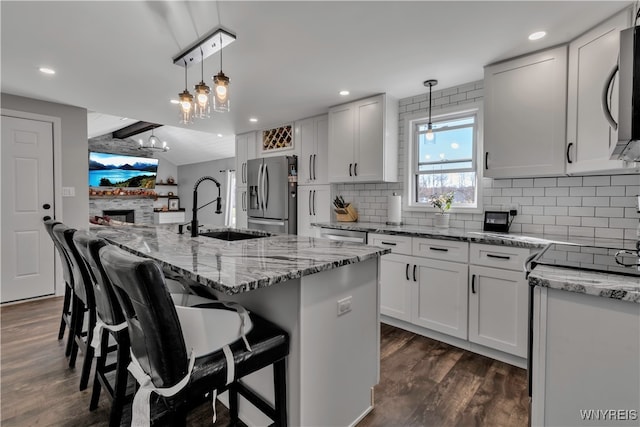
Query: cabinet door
440, 297
341, 143
525, 109
321, 157
241, 207
498, 307
305, 136
305, 211
369, 145
395, 286
321, 203
241, 160
591, 59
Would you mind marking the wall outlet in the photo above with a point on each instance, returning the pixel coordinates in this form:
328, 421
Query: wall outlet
344, 305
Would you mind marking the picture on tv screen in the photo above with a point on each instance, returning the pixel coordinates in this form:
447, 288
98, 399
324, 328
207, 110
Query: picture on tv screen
116, 170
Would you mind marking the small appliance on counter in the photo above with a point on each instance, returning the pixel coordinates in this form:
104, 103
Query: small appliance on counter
497, 221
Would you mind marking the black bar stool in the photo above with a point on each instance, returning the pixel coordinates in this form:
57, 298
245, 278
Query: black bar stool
83, 302
109, 313
160, 350
65, 318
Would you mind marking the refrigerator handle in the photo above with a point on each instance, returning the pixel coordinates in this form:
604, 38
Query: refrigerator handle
314, 202
265, 183
259, 187
310, 214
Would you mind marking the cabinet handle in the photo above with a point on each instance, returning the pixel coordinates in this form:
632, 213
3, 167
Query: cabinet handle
439, 249
473, 284
244, 173
310, 204
406, 271
355, 169
350, 164
569, 152
310, 169
499, 256
414, 273
486, 160
314, 167
389, 243
314, 202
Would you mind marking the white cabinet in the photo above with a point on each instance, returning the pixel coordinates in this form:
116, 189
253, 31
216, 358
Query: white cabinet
395, 286
592, 57
313, 136
314, 205
245, 150
440, 297
241, 207
363, 141
525, 115
498, 298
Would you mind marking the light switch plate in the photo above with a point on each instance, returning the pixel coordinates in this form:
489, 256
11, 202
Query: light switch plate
68, 191
344, 305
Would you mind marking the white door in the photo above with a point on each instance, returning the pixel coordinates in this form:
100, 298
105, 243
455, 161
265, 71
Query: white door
341, 143
27, 190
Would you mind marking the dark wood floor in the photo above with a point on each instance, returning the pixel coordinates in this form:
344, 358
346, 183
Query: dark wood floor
423, 382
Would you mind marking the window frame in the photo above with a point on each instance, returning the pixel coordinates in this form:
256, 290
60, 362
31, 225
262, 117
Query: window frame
411, 149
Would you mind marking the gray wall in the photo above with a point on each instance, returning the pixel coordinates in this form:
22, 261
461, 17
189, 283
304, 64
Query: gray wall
590, 206
75, 167
207, 191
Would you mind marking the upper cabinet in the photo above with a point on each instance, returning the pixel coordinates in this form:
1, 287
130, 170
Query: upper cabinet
313, 136
525, 111
363, 141
245, 150
592, 57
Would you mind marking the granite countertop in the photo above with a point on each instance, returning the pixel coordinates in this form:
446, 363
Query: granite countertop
615, 286
474, 236
237, 266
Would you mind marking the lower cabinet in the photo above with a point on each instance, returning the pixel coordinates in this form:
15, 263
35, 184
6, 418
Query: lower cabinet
314, 205
498, 304
440, 297
241, 208
395, 286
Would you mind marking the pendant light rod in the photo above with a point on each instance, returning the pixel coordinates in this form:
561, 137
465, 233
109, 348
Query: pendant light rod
204, 47
430, 83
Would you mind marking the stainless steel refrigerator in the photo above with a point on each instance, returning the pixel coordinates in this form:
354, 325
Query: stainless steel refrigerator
272, 194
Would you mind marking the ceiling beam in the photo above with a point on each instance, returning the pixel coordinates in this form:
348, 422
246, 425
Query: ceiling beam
133, 129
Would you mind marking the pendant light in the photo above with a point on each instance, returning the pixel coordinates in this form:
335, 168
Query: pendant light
186, 102
202, 108
429, 134
221, 90
153, 143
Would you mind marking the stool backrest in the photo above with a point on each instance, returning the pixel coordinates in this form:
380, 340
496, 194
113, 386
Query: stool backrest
154, 329
82, 286
66, 267
107, 304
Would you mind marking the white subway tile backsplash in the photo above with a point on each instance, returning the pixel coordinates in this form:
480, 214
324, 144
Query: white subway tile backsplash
595, 222
631, 213
610, 233
556, 191
572, 181
625, 179
568, 220
556, 210
533, 191
502, 183
532, 210
611, 191
582, 191
545, 182
581, 211
610, 212
625, 202
595, 201
582, 231
523, 182
544, 201
569, 201
633, 190
556, 229
533, 228
597, 181
542, 219
623, 223
512, 192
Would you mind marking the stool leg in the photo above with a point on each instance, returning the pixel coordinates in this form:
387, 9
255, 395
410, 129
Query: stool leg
88, 357
75, 309
122, 375
280, 391
233, 403
77, 331
100, 363
65, 311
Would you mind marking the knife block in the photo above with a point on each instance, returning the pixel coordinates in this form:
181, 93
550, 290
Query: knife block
346, 214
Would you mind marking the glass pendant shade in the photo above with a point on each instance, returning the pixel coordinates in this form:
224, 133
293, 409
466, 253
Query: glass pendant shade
202, 104
221, 93
186, 107
429, 134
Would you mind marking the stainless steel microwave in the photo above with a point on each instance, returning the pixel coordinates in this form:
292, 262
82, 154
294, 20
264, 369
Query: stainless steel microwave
628, 126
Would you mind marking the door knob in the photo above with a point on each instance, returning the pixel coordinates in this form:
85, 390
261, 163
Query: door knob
46, 206
46, 218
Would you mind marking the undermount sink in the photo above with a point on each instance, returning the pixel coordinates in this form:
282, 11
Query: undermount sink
231, 236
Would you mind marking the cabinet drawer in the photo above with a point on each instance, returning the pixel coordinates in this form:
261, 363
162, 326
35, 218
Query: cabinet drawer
397, 244
506, 257
447, 250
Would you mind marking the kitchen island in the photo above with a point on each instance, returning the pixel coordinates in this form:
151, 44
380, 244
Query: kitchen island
323, 293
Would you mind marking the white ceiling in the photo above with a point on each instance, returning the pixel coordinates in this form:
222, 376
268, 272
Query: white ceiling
289, 61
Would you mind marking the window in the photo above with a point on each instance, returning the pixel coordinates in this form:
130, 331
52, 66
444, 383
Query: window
448, 161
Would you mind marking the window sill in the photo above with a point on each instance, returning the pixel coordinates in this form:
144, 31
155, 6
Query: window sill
453, 210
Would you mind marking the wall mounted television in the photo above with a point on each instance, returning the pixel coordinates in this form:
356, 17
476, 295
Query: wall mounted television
117, 170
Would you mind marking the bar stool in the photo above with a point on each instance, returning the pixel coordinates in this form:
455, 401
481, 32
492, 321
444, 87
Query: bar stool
65, 318
110, 325
218, 356
83, 302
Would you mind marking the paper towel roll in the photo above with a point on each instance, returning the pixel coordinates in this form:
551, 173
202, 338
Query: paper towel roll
394, 210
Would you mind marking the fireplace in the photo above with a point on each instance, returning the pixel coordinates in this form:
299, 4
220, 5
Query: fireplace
124, 215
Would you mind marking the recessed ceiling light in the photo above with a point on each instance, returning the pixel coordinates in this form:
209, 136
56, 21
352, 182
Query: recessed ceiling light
124, 118
175, 101
253, 119
219, 135
537, 35
46, 70
344, 92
